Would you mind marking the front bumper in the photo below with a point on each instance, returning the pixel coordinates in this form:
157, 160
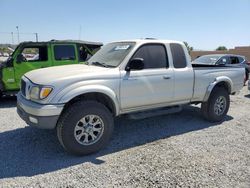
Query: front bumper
38, 115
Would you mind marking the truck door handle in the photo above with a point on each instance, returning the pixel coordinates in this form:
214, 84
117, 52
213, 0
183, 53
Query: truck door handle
166, 77
130, 79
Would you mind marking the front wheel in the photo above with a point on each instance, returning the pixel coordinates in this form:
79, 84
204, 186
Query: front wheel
216, 108
85, 127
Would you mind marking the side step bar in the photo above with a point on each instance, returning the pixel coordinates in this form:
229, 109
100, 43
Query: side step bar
155, 112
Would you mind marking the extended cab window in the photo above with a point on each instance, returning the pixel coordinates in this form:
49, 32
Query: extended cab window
179, 57
154, 56
64, 52
34, 54
234, 60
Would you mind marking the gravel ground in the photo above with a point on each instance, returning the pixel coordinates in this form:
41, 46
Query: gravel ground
179, 150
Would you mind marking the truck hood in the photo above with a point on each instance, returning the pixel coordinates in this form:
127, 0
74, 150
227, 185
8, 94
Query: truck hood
51, 75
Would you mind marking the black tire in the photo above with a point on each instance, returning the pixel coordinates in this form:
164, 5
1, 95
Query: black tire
246, 76
69, 121
208, 108
204, 111
1, 94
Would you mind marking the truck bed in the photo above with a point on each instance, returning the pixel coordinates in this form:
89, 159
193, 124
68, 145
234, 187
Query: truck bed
206, 74
200, 66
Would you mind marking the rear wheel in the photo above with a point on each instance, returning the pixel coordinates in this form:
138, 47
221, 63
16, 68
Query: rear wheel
85, 127
216, 108
246, 76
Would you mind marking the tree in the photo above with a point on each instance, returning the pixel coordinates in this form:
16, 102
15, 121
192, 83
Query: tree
190, 48
221, 48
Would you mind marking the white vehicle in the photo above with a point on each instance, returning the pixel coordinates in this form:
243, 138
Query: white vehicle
5, 54
138, 77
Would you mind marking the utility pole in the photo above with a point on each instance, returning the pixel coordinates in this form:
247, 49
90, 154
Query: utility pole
17, 34
36, 36
80, 32
12, 37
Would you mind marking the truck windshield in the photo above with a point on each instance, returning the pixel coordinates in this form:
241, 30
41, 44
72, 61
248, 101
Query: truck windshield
111, 55
207, 59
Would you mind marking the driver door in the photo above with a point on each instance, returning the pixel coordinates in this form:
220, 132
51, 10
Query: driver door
154, 85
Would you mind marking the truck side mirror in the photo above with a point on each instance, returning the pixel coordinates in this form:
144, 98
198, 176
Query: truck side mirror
135, 64
19, 58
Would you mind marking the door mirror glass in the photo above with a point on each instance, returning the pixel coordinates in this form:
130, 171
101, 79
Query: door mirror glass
135, 64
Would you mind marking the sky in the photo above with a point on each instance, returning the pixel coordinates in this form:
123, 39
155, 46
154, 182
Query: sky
205, 25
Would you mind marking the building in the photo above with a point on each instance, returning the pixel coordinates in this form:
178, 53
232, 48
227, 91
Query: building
241, 50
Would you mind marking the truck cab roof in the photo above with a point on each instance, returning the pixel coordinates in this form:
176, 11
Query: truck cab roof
150, 40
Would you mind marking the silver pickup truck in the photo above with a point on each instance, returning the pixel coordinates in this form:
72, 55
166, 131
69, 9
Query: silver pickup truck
136, 77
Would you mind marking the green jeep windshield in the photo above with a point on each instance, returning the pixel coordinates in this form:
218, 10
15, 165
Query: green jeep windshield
111, 55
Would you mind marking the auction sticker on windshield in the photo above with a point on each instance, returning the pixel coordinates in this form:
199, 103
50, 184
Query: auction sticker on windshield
122, 47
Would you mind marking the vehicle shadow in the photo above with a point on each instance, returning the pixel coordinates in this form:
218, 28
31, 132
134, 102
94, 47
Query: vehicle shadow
29, 151
8, 102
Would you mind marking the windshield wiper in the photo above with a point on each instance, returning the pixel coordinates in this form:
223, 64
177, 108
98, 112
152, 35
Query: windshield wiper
100, 64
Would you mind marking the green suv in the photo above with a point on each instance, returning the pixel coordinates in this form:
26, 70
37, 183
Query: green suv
35, 55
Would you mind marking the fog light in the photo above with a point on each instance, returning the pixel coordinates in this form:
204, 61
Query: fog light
33, 120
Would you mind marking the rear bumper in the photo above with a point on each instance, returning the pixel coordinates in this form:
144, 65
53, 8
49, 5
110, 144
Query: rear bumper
38, 115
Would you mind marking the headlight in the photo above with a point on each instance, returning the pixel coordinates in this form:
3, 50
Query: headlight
37, 92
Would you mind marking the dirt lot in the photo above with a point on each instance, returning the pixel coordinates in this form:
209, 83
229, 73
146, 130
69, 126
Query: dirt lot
176, 150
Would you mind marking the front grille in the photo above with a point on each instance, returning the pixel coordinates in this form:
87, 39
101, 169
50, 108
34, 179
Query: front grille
23, 88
